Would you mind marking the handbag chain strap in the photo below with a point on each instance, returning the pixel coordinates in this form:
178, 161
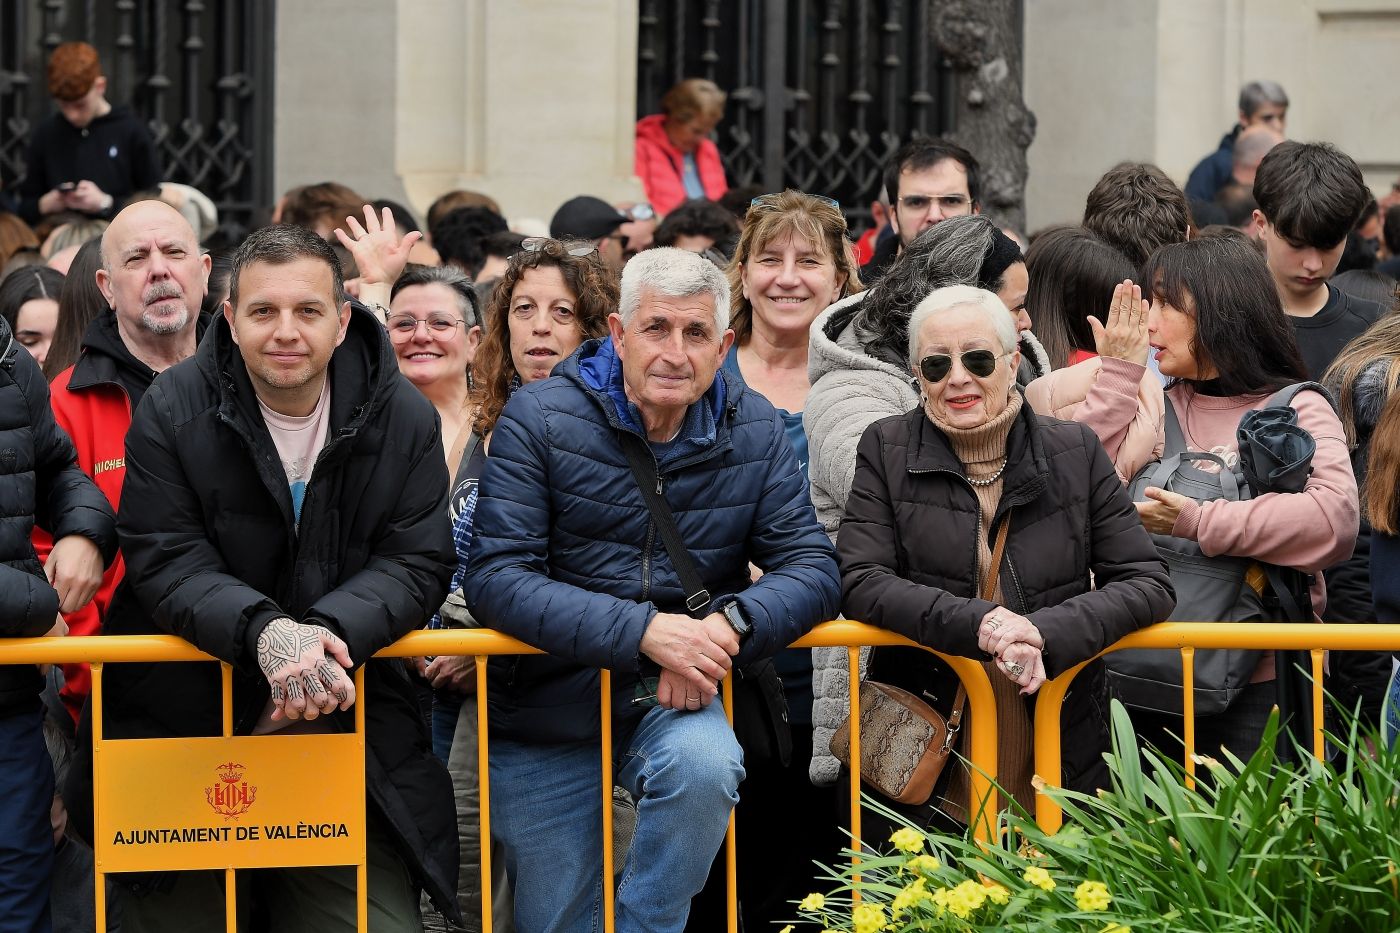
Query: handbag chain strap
989, 592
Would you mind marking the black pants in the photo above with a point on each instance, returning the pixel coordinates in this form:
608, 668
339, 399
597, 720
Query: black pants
782, 824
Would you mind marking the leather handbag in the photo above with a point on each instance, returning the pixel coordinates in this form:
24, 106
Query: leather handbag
905, 742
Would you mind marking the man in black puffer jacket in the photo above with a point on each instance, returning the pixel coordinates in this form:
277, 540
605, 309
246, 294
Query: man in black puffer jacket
284, 510
40, 482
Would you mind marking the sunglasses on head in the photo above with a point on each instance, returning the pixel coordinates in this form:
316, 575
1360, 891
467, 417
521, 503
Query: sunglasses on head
769, 200
981, 363
539, 244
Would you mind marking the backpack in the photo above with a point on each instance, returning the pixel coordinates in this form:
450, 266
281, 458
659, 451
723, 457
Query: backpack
1208, 589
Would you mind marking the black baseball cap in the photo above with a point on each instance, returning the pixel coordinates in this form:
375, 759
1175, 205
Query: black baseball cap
585, 218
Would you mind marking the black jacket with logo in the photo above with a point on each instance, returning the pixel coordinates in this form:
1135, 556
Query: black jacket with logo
213, 554
115, 152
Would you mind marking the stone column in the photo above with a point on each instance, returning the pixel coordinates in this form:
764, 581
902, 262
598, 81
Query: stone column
529, 101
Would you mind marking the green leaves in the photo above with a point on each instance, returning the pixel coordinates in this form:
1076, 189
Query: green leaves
1256, 846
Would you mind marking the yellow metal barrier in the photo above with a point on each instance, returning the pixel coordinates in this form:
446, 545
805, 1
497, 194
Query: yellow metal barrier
482, 644
1188, 637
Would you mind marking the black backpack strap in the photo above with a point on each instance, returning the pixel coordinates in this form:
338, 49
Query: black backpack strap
1284, 397
643, 463
1175, 437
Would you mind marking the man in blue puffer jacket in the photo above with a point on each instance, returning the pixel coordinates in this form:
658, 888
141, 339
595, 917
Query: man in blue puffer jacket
567, 557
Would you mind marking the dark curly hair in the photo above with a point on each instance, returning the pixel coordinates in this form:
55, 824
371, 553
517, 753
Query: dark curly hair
595, 289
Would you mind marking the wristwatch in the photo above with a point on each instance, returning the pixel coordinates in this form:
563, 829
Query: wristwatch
735, 617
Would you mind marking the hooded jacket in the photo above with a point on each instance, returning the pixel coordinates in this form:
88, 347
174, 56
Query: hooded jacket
660, 166
213, 555
92, 403
1078, 562
40, 483
567, 558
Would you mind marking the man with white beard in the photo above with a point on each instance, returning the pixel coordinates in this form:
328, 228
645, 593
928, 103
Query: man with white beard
154, 279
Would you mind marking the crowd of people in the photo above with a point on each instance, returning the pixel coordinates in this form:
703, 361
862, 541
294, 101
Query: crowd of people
666, 439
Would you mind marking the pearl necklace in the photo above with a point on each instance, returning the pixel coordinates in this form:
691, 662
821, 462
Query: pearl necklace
991, 479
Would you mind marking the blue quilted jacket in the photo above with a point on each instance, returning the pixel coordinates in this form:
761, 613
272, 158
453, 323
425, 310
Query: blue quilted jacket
566, 557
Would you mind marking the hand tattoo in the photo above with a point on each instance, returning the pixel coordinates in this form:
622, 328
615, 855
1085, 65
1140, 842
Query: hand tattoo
282, 643
334, 679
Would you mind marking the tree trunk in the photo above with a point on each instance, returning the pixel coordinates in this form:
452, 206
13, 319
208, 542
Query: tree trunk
981, 41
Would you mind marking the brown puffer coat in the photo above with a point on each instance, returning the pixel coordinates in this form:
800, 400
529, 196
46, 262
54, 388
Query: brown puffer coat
1078, 563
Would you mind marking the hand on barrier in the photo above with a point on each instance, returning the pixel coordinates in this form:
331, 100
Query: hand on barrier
1159, 516
1024, 665
1001, 628
698, 650
676, 691
1124, 336
379, 253
74, 569
455, 672
305, 667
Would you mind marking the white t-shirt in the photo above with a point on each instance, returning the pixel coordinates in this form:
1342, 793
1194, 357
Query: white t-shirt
299, 442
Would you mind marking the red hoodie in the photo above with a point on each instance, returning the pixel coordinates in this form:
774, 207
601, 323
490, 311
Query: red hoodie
659, 164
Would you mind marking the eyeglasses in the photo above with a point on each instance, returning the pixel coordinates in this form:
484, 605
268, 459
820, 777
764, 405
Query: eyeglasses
539, 244
770, 200
947, 203
403, 326
981, 363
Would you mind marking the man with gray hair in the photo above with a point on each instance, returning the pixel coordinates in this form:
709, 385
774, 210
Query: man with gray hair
1262, 103
623, 503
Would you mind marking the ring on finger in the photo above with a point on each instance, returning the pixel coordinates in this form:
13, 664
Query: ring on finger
1014, 669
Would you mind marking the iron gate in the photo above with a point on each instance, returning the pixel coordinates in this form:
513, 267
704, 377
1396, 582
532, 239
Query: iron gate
820, 93
198, 71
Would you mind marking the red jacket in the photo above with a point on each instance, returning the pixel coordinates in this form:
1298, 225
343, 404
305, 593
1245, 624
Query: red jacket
93, 408
659, 165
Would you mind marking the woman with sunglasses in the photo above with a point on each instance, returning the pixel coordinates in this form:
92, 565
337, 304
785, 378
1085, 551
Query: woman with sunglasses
971, 472
860, 374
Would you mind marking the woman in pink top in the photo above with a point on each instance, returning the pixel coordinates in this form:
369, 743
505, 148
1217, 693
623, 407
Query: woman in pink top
1220, 336
676, 159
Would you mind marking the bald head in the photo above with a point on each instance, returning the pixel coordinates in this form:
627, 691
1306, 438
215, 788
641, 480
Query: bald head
1251, 146
153, 274
144, 215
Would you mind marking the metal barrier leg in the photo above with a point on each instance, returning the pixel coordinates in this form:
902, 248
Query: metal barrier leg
609, 893
362, 869
483, 770
853, 669
731, 852
1318, 722
1188, 713
99, 893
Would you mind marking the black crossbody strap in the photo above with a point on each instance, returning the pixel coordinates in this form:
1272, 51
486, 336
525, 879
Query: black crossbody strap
643, 463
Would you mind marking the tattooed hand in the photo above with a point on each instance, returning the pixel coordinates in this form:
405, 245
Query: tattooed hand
305, 666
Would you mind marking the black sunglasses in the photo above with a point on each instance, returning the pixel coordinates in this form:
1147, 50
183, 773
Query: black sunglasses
981, 363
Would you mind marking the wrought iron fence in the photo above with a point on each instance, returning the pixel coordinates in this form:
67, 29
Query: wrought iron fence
820, 93
198, 71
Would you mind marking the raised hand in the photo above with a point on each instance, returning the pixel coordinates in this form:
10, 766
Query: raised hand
379, 252
1124, 337
305, 667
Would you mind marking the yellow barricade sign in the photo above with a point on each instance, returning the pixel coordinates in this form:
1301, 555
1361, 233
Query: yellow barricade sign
247, 801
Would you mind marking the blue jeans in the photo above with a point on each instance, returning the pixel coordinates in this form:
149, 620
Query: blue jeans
26, 836
447, 706
684, 770
1390, 718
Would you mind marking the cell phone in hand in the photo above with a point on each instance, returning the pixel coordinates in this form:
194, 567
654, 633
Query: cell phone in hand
67, 185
